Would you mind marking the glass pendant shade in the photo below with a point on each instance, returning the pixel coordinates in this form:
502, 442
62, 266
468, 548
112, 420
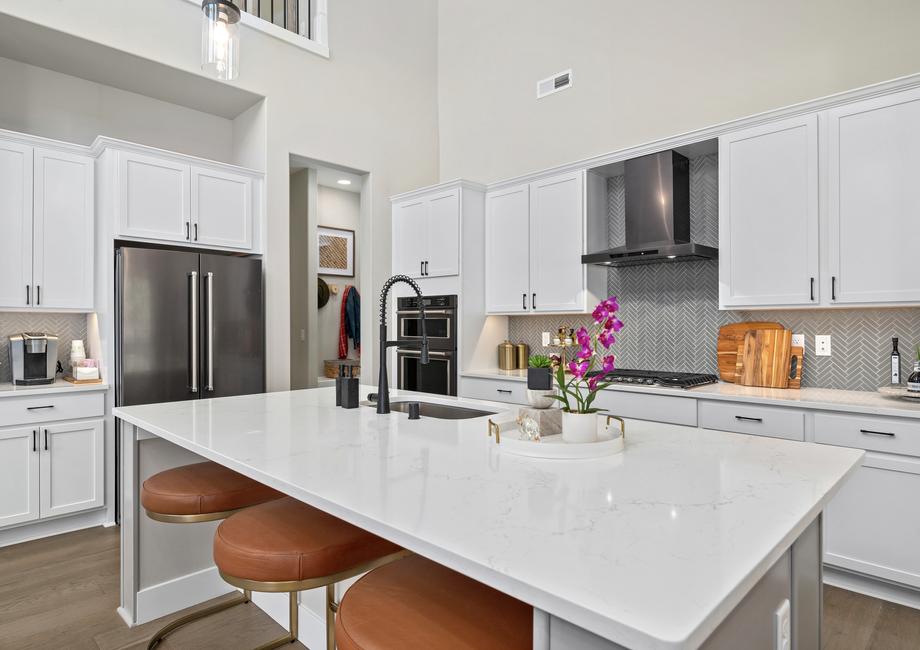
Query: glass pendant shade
220, 39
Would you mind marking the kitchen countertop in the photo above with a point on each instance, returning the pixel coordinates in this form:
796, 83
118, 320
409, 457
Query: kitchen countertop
59, 386
652, 547
826, 399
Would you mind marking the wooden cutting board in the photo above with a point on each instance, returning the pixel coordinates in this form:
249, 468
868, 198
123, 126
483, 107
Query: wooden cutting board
730, 338
797, 357
763, 359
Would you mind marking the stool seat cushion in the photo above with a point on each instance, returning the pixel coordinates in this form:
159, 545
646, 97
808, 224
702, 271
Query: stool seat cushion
202, 488
416, 604
287, 540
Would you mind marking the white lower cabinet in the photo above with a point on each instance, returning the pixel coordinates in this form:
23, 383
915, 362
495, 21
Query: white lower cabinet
494, 390
770, 421
19, 482
72, 473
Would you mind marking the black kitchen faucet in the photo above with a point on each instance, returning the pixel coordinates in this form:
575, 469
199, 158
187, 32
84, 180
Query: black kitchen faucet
383, 388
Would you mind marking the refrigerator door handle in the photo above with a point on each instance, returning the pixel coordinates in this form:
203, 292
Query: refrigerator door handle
193, 326
209, 386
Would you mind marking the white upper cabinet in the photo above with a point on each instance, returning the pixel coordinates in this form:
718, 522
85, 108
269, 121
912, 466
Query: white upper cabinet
63, 230
221, 208
426, 233
768, 215
507, 259
873, 213
16, 222
153, 197
557, 276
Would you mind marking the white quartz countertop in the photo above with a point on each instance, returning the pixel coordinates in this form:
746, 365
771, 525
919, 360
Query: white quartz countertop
650, 548
59, 386
826, 399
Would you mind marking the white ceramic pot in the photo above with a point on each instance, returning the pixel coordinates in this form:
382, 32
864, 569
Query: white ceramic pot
540, 399
579, 427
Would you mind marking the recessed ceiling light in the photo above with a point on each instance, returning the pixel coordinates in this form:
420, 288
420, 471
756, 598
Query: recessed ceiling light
343, 181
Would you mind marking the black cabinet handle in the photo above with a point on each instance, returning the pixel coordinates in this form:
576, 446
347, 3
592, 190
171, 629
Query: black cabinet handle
503, 390
421, 268
46, 439
34, 439
38, 294
27, 294
812, 288
833, 287
533, 301
523, 301
426, 266
870, 432
187, 234
39, 408
196, 232
744, 418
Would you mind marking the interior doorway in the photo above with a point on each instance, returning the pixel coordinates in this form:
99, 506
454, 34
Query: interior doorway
328, 205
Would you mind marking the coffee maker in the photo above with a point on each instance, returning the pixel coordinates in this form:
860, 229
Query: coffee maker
33, 358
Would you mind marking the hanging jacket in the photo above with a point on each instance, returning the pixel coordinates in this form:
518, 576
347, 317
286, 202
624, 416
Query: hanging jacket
350, 321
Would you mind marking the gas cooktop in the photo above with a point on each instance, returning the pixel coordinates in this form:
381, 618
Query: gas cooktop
658, 378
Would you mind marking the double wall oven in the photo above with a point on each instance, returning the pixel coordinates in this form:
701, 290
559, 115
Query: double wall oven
439, 376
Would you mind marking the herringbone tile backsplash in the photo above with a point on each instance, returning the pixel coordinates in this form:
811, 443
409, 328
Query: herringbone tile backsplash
672, 312
66, 327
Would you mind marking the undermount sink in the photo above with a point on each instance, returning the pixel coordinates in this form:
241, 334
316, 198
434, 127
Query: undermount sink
438, 411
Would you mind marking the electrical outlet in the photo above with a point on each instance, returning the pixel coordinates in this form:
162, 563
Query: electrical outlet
545, 339
823, 345
782, 621
798, 340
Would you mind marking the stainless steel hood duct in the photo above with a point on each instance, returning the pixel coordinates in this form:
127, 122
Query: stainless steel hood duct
657, 215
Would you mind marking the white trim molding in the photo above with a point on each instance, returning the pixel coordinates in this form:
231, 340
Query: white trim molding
177, 594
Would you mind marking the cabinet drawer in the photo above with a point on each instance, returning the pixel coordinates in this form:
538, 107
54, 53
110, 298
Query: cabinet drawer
496, 390
769, 421
892, 435
644, 406
49, 408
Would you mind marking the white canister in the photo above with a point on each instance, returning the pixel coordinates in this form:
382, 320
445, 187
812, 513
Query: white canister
77, 352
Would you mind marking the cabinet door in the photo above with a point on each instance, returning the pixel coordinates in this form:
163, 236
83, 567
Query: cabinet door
63, 227
153, 198
16, 223
873, 214
768, 215
19, 470
221, 208
442, 256
867, 528
72, 467
410, 237
557, 276
507, 250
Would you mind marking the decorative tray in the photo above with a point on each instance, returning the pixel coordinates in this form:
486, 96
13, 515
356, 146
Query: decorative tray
899, 392
610, 440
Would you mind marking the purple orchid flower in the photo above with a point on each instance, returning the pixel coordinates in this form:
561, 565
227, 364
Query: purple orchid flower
609, 363
592, 383
578, 368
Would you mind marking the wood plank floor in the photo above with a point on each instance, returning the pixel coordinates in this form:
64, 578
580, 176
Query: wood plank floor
61, 592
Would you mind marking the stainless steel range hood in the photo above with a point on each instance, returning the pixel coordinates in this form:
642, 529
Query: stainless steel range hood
657, 215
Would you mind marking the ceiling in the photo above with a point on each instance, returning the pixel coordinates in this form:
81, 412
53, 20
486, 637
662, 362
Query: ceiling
329, 175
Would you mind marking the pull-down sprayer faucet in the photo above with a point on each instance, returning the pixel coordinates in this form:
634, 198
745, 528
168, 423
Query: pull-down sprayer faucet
383, 388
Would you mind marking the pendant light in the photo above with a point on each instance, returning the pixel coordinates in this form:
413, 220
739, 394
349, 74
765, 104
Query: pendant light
220, 39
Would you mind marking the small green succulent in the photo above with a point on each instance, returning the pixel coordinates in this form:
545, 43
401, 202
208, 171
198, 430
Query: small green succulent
539, 361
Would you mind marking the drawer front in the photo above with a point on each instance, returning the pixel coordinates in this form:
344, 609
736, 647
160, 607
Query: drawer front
892, 435
496, 390
644, 406
49, 408
771, 421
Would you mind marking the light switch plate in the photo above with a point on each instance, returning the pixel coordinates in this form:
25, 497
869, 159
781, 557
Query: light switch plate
782, 621
823, 345
798, 340
545, 339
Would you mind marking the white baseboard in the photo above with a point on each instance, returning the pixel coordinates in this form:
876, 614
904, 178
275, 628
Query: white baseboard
871, 587
312, 626
125, 616
50, 527
171, 596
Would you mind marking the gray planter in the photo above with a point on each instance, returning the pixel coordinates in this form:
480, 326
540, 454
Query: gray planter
539, 378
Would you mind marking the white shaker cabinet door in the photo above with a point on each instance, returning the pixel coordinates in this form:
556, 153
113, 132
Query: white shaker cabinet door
507, 250
153, 198
410, 237
16, 224
221, 212
19, 483
63, 230
557, 275
768, 215
443, 235
72, 467
874, 215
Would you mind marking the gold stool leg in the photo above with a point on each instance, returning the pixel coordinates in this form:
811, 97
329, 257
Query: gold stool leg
188, 618
291, 636
331, 608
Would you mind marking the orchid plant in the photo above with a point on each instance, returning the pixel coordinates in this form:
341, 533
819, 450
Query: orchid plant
593, 362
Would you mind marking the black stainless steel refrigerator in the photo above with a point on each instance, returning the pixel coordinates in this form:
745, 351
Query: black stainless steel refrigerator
189, 325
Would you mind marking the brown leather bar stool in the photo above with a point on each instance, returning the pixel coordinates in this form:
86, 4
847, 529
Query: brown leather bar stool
195, 493
417, 604
288, 546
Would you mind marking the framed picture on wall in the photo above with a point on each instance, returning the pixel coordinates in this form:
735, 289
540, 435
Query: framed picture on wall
336, 251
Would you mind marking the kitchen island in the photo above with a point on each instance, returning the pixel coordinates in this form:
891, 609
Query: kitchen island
688, 538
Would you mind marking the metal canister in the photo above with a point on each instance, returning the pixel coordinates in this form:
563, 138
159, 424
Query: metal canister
521, 355
506, 356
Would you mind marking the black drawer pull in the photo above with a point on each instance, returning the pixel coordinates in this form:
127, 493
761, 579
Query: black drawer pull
38, 408
870, 432
744, 418
502, 390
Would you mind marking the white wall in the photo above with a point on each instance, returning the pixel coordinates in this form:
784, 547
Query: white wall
371, 106
337, 209
644, 70
54, 105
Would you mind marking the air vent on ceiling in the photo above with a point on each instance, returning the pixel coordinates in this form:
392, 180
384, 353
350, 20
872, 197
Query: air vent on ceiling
554, 84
